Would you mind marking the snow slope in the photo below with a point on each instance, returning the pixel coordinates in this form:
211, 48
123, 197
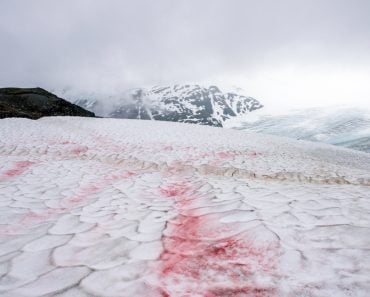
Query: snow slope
177, 103
110, 207
343, 126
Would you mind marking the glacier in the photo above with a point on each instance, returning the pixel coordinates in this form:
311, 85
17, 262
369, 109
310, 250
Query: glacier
113, 207
339, 125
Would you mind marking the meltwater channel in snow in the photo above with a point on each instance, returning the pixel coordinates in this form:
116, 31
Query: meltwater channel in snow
112, 207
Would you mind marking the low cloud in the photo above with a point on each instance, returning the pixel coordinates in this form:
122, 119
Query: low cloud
263, 46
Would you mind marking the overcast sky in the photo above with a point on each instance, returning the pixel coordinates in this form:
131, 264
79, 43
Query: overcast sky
284, 52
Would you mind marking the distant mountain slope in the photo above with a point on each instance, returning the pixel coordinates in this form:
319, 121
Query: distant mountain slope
34, 103
344, 126
178, 103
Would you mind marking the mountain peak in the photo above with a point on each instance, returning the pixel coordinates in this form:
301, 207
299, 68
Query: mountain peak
188, 103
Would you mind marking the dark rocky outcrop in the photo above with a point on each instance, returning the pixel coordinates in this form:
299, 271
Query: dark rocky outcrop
34, 103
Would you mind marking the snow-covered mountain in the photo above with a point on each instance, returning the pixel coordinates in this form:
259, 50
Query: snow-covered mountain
126, 208
343, 126
178, 103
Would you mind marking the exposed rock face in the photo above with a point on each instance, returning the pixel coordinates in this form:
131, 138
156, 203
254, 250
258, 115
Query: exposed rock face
34, 103
178, 103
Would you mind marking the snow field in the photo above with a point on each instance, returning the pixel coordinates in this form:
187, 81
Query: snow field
103, 207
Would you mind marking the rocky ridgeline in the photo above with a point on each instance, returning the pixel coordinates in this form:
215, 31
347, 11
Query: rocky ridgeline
34, 103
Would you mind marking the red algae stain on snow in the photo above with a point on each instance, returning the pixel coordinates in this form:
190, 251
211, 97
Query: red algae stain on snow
233, 154
213, 158
174, 189
110, 144
18, 168
223, 156
87, 191
198, 261
30, 220
220, 267
69, 148
79, 150
33, 219
74, 147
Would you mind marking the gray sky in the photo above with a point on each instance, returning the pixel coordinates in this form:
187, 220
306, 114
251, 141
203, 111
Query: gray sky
284, 52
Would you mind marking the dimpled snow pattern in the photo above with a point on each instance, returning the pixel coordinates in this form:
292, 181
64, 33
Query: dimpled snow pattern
109, 207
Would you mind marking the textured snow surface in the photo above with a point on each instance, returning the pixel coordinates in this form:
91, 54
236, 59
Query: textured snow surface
109, 207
